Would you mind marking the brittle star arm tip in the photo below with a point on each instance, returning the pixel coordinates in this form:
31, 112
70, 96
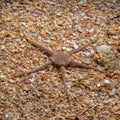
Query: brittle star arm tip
80, 48
78, 64
62, 69
38, 45
35, 70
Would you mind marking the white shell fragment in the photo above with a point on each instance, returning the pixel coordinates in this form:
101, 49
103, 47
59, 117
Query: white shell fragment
12, 81
104, 48
106, 81
98, 85
2, 47
113, 92
80, 29
75, 46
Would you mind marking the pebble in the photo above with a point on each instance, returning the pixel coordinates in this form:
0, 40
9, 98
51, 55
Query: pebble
32, 80
24, 24
91, 30
80, 29
12, 81
82, 1
47, 41
110, 42
98, 85
113, 92
86, 61
82, 14
2, 76
2, 47
116, 37
43, 72
68, 49
86, 54
75, 46
104, 48
45, 111
106, 81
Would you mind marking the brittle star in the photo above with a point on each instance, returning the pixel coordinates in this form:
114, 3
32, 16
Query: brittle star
60, 59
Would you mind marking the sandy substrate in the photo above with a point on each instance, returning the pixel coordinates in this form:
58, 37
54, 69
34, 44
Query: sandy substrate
60, 25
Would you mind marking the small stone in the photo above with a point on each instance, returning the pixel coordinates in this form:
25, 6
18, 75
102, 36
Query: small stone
86, 61
2, 76
91, 30
86, 54
80, 29
116, 37
63, 47
98, 85
12, 81
75, 46
45, 111
82, 14
32, 80
43, 72
2, 47
82, 1
110, 42
47, 41
106, 81
24, 24
104, 48
113, 92
68, 49
17, 40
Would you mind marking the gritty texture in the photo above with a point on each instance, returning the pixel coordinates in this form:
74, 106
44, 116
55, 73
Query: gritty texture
59, 25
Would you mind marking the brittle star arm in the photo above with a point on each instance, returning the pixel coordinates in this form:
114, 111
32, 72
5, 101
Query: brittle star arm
78, 64
62, 69
38, 45
80, 48
36, 69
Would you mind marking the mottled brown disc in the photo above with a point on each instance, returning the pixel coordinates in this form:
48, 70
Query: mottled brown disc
61, 58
